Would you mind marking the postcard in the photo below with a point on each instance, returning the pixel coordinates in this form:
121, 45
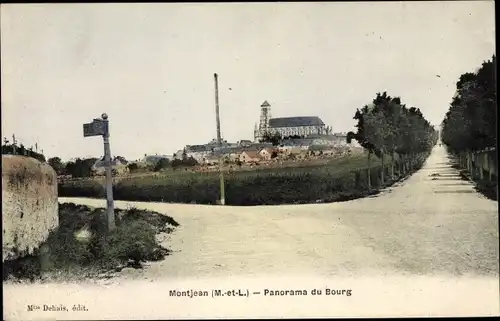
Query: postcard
249, 160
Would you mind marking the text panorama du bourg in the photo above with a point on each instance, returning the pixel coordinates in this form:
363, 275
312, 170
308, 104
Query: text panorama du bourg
217, 293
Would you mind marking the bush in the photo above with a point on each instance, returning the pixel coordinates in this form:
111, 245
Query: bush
132, 242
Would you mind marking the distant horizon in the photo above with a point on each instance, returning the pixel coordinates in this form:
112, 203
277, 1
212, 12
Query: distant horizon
150, 67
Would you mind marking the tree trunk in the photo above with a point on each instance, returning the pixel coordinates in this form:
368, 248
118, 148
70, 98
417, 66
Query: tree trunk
383, 169
392, 165
479, 159
369, 172
469, 165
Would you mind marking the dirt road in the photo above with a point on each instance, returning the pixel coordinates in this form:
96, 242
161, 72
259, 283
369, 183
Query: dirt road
429, 225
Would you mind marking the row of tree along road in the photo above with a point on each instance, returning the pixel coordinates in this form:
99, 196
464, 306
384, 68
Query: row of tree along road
469, 128
388, 127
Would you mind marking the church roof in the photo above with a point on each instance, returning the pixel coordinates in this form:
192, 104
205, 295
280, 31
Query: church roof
265, 104
295, 121
196, 148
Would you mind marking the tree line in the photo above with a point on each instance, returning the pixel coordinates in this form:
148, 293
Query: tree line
83, 167
470, 123
469, 127
80, 167
388, 127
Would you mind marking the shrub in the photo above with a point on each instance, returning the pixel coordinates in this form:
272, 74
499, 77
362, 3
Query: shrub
132, 242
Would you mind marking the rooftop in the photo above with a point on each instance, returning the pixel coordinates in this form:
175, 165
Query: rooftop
197, 148
295, 121
155, 158
252, 153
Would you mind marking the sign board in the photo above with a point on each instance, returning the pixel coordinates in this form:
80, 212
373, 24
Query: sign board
96, 128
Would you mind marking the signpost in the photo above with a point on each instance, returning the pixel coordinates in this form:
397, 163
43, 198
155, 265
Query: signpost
100, 127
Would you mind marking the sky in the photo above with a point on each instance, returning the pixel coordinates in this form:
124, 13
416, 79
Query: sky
150, 67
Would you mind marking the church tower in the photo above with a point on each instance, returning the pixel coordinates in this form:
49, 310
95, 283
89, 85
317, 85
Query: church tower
265, 115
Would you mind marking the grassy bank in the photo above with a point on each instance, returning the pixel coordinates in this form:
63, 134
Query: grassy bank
341, 179
82, 247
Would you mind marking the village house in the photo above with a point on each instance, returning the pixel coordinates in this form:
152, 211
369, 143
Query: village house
267, 153
198, 152
232, 154
244, 142
321, 150
99, 167
154, 159
211, 160
250, 156
295, 150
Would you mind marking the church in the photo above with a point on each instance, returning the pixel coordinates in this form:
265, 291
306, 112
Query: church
288, 126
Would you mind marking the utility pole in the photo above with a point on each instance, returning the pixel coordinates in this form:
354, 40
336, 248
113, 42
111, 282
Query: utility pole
219, 141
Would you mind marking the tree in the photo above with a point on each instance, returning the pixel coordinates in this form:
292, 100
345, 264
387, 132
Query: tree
56, 164
362, 136
81, 167
121, 159
132, 167
176, 163
274, 138
190, 161
163, 163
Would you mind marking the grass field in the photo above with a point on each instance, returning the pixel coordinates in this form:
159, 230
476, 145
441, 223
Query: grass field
340, 179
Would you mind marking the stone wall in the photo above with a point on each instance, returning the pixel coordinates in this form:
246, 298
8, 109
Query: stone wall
29, 204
